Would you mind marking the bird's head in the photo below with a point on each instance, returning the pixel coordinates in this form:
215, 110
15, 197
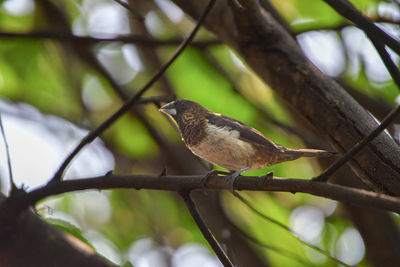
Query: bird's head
185, 112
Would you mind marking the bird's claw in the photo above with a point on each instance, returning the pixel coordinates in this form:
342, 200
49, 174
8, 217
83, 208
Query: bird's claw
163, 172
204, 180
269, 176
235, 175
206, 177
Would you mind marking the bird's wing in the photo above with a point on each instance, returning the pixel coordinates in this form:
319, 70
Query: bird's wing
246, 133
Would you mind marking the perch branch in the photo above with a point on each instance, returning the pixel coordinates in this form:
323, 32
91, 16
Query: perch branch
340, 193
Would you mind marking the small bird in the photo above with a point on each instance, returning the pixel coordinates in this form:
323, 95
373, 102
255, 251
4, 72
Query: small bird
227, 142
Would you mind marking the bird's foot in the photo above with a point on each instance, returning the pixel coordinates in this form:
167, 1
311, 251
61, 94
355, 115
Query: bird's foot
163, 172
235, 175
269, 176
206, 177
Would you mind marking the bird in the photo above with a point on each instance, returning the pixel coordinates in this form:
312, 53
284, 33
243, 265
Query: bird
227, 142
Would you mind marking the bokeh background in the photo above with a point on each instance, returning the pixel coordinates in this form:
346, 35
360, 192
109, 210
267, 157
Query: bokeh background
53, 90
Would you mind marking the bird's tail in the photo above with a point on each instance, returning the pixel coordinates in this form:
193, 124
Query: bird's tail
286, 154
309, 153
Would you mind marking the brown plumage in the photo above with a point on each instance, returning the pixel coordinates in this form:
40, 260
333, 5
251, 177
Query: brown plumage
227, 142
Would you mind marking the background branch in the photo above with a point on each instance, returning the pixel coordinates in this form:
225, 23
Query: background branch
204, 229
132, 11
131, 39
35, 243
348, 10
279, 250
288, 229
10, 173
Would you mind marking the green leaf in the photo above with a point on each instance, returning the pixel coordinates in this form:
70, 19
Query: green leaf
68, 228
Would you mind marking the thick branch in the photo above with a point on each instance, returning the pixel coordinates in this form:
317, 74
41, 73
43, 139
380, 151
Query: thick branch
27, 240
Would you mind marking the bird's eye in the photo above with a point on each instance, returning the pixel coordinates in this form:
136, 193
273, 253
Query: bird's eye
187, 116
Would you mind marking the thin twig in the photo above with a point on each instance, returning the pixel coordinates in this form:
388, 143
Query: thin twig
204, 229
288, 229
340, 26
349, 11
99, 130
10, 174
387, 60
133, 39
151, 59
279, 250
133, 12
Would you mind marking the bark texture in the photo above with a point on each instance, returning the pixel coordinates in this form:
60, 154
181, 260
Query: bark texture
29, 241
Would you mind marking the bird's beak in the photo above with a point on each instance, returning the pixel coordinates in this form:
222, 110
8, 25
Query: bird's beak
169, 109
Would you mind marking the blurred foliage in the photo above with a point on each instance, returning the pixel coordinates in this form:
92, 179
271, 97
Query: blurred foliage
69, 228
50, 75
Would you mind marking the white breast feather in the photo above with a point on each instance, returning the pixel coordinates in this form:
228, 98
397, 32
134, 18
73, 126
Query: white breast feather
223, 147
230, 135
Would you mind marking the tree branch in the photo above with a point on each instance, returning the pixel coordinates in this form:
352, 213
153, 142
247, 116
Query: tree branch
29, 241
132, 11
191, 182
10, 173
131, 39
204, 229
348, 10
288, 229
279, 250
342, 26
